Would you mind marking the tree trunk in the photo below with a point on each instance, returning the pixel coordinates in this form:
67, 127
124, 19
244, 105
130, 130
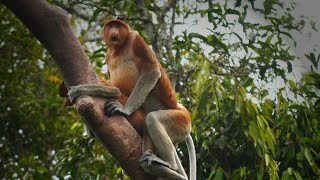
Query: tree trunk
51, 26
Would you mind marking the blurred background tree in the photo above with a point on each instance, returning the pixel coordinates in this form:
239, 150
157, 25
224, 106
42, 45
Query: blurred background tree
231, 63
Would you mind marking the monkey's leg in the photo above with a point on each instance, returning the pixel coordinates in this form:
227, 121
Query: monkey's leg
147, 144
166, 127
92, 90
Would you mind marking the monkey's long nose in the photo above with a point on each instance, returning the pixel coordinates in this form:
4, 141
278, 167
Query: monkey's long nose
114, 37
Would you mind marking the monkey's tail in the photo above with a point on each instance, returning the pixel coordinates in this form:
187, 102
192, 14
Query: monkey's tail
180, 167
192, 158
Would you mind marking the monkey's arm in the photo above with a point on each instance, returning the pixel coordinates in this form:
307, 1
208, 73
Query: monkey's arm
92, 90
146, 82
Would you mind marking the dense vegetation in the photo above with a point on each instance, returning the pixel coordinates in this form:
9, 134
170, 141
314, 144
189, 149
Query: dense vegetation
242, 128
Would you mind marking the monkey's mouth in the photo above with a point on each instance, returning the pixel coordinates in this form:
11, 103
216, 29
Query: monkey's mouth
114, 40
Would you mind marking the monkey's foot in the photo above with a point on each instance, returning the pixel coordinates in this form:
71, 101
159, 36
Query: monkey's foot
158, 167
152, 158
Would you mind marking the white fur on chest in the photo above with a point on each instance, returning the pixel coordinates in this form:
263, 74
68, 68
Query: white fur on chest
125, 71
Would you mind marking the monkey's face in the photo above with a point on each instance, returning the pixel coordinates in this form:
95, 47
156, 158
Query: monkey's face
116, 33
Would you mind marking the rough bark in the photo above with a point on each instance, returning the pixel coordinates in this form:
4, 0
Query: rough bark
51, 26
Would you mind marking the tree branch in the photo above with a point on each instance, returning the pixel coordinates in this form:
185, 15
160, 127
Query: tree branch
51, 26
72, 10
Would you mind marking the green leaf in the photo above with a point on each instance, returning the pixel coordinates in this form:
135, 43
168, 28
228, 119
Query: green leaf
287, 34
268, 6
311, 161
290, 171
211, 40
268, 40
95, 14
289, 65
41, 169
24, 162
219, 174
286, 176
237, 3
252, 3
267, 28
297, 175
232, 11
292, 85
270, 140
297, 106
248, 82
312, 58
267, 159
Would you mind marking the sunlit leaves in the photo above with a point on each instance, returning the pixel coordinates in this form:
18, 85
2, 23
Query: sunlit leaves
211, 40
83, 158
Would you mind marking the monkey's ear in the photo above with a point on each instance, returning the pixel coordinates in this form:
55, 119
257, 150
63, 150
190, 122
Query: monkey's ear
104, 33
63, 92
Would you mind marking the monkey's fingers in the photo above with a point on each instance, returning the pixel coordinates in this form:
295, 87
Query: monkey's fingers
108, 111
117, 110
111, 103
113, 106
108, 108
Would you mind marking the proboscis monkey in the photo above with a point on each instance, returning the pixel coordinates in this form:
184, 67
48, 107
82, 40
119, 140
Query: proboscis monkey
134, 69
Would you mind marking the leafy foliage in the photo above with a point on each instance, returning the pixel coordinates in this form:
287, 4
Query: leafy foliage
241, 130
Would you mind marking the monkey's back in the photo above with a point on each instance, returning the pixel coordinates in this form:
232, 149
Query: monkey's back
164, 91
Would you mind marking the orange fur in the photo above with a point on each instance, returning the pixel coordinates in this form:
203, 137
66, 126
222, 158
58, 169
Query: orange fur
134, 69
143, 57
131, 57
136, 119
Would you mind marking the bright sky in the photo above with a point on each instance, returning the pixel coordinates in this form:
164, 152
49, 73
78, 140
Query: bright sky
306, 41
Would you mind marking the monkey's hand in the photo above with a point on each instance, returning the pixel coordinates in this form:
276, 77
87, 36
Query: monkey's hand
113, 106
